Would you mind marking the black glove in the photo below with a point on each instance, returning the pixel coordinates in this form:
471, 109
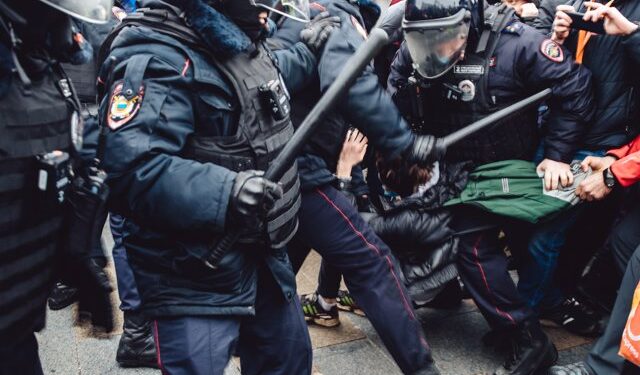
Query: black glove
317, 31
252, 196
425, 150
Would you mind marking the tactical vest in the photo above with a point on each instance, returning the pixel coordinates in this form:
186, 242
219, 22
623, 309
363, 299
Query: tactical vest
84, 80
259, 137
462, 96
34, 120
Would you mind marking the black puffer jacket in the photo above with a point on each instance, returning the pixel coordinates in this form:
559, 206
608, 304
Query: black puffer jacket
613, 61
417, 231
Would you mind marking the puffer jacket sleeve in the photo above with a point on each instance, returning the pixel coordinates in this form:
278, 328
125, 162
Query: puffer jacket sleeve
414, 229
149, 180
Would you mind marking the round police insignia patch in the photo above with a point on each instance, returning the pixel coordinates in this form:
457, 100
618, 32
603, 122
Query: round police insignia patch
552, 51
468, 89
121, 109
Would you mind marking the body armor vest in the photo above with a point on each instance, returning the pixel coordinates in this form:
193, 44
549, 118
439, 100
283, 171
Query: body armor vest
259, 137
84, 80
462, 96
258, 140
34, 120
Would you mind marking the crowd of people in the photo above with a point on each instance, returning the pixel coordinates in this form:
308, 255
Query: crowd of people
167, 118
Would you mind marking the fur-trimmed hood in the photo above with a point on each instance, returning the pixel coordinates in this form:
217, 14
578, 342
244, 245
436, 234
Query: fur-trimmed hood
222, 36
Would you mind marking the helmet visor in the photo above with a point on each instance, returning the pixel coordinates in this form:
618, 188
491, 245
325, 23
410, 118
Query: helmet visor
436, 45
294, 9
94, 11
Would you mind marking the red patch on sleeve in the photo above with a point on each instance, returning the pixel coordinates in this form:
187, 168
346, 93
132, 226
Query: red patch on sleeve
552, 51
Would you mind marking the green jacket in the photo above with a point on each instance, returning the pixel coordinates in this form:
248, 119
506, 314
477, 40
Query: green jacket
513, 188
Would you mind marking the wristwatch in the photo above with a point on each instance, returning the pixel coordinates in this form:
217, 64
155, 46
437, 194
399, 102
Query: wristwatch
343, 183
609, 178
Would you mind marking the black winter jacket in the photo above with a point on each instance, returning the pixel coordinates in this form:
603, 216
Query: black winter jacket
417, 231
613, 61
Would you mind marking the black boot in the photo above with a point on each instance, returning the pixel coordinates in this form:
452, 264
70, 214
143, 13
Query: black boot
137, 347
530, 351
62, 296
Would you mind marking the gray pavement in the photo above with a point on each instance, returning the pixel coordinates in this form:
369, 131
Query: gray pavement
354, 348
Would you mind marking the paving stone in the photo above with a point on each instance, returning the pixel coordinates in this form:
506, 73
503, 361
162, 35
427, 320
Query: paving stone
57, 345
359, 357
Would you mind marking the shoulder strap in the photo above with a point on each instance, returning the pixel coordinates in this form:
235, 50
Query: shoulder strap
496, 18
161, 20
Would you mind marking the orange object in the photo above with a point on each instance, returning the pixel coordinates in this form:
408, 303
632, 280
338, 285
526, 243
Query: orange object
630, 344
583, 39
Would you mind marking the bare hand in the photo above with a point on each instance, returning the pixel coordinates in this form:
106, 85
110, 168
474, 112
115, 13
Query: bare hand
562, 23
593, 188
555, 174
528, 10
597, 164
614, 22
353, 151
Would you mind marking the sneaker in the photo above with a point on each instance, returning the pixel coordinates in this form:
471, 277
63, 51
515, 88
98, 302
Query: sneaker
579, 368
62, 296
530, 351
315, 313
347, 303
575, 317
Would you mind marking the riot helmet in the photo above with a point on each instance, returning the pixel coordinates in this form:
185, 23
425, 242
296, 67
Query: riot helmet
437, 32
93, 11
294, 9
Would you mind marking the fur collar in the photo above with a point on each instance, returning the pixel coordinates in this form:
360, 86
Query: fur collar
221, 35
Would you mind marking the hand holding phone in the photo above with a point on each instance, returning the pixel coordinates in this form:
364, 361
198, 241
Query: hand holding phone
578, 22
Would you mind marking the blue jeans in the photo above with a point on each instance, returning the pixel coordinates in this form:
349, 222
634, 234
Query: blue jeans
537, 270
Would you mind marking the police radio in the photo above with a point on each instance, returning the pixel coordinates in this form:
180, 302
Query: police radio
54, 174
275, 97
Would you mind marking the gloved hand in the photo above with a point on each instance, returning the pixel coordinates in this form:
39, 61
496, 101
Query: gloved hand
94, 289
317, 31
252, 196
425, 150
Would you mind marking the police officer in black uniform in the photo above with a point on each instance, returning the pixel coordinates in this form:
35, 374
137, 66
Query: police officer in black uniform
40, 129
196, 107
470, 62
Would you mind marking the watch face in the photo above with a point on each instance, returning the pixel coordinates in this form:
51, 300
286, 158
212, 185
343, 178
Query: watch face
609, 179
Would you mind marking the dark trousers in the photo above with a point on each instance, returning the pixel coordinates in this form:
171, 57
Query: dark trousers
482, 265
625, 236
329, 279
604, 358
332, 226
274, 341
21, 357
624, 242
127, 288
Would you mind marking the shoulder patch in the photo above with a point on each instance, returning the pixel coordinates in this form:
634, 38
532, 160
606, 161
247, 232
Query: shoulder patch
121, 109
359, 28
552, 51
